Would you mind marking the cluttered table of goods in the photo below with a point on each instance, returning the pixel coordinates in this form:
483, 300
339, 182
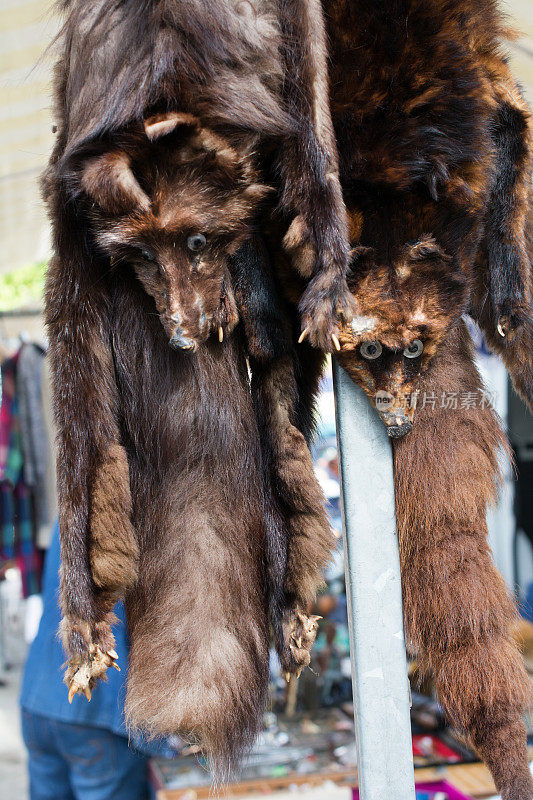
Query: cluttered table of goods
313, 756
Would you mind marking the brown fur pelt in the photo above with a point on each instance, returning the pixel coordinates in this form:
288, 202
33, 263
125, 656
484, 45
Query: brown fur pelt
435, 156
427, 113
255, 69
458, 612
165, 494
446, 442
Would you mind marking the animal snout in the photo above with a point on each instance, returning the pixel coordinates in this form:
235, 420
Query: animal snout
180, 341
398, 421
397, 431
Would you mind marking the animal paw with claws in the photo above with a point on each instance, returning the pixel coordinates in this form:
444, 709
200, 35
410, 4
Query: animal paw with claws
299, 631
327, 303
510, 316
326, 306
84, 671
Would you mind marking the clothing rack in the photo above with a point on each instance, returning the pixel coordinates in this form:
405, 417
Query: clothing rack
373, 590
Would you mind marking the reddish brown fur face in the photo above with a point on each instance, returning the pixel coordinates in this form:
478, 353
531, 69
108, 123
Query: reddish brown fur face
176, 209
407, 305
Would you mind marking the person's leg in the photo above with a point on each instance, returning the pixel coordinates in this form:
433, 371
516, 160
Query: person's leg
101, 764
48, 771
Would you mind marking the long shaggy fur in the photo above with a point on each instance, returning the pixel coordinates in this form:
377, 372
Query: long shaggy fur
197, 616
458, 611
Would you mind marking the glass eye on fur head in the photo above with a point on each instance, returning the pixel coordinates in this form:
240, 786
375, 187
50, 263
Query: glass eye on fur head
196, 242
414, 350
371, 350
146, 255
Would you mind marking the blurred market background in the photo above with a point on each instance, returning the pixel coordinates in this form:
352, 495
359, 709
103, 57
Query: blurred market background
318, 735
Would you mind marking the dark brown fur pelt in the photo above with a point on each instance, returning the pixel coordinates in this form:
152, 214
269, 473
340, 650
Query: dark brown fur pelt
254, 69
159, 461
427, 113
180, 503
458, 612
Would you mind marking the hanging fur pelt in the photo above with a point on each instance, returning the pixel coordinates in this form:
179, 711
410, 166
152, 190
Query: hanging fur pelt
436, 179
164, 143
165, 496
435, 161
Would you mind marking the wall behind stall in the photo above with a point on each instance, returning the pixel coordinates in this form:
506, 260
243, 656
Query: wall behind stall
521, 17
28, 325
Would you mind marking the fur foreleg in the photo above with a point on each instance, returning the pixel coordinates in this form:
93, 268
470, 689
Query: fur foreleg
458, 612
298, 536
505, 244
98, 544
516, 347
318, 236
516, 352
303, 540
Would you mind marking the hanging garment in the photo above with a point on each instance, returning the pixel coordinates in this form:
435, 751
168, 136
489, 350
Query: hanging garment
34, 437
17, 505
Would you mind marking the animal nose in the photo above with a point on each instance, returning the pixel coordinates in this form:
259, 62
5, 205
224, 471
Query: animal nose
181, 342
397, 431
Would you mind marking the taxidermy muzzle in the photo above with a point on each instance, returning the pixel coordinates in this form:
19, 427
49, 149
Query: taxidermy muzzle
179, 236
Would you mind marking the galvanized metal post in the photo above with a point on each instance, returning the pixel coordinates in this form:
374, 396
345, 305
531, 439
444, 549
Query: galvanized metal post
379, 668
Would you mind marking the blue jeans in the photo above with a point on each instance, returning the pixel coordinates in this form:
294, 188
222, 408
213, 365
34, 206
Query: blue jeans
78, 762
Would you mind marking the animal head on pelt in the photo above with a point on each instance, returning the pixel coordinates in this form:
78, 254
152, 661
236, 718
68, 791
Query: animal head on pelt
410, 292
175, 201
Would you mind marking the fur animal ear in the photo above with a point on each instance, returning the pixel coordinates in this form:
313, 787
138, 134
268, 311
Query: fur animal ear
109, 180
160, 125
427, 249
437, 179
358, 253
257, 191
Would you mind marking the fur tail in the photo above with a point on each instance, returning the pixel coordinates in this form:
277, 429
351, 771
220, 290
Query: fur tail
199, 652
